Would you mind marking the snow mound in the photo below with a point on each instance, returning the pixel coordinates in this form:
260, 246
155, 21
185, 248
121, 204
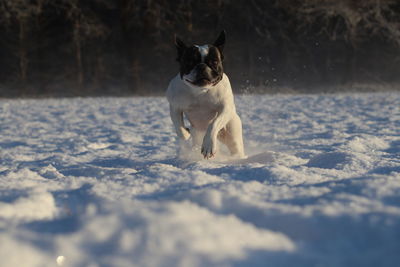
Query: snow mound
15, 252
365, 144
171, 234
35, 206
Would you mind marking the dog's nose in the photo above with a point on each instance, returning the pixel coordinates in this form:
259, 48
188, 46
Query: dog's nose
202, 66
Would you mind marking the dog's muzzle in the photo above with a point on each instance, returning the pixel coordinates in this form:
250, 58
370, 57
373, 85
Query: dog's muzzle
203, 75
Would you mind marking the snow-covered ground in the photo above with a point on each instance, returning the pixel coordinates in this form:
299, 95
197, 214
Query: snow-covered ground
98, 182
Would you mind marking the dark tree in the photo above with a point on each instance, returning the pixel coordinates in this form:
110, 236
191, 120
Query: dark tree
98, 47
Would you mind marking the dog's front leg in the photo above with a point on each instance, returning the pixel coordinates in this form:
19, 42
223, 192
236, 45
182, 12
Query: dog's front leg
177, 120
209, 147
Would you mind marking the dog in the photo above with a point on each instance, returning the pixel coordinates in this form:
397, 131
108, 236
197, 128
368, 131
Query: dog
201, 92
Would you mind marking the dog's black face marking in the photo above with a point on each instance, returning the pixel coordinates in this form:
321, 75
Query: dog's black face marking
201, 69
201, 65
190, 59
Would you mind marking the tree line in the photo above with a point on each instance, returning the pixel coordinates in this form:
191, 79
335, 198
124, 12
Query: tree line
106, 47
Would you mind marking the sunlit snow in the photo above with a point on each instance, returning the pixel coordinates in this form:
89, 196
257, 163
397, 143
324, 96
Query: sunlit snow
99, 182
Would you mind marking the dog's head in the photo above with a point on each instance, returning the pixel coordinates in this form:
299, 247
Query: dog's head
201, 65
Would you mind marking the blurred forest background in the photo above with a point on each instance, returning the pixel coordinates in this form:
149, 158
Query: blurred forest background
124, 47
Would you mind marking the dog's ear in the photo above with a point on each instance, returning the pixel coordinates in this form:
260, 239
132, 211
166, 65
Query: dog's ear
180, 46
220, 42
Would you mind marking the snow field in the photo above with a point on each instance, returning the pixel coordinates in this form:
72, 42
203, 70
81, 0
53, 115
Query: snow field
98, 182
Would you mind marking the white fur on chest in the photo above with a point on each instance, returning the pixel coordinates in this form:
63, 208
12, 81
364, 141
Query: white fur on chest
183, 95
201, 105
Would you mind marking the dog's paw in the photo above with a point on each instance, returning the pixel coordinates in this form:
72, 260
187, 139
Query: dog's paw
185, 134
209, 148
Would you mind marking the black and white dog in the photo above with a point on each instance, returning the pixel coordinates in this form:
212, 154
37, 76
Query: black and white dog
202, 93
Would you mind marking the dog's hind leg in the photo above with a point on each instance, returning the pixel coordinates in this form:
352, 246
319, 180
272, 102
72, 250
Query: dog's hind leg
231, 136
